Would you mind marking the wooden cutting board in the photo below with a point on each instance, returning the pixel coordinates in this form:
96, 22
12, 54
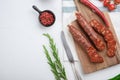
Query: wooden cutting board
87, 66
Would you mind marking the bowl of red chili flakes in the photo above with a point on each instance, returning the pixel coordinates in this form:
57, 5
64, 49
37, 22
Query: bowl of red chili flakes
46, 17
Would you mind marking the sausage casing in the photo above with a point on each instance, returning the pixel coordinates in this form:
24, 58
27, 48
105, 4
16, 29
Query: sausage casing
80, 39
90, 32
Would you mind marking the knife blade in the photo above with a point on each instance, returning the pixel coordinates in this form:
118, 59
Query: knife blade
67, 49
70, 56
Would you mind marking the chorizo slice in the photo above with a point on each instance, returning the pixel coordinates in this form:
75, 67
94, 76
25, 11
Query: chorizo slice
80, 39
108, 36
90, 32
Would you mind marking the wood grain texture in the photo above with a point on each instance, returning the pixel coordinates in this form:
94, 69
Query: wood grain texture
87, 66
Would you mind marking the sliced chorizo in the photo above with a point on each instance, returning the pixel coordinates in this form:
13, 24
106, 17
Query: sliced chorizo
108, 36
80, 39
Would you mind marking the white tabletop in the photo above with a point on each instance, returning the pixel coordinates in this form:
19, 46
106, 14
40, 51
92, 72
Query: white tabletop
21, 53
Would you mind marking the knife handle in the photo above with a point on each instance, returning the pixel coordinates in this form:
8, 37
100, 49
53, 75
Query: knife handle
76, 74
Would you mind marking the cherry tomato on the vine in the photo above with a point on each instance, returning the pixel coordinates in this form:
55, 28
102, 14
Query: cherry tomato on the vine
117, 1
111, 7
106, 2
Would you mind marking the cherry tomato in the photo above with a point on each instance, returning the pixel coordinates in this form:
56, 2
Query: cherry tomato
117, 1
106, 2
111, 7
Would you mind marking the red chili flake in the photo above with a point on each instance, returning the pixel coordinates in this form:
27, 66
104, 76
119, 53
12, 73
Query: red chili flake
47, 18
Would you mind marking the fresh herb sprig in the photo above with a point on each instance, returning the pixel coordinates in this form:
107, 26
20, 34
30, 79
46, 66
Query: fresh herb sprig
56, 67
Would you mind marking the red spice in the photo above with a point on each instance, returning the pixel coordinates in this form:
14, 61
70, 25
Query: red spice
47, 18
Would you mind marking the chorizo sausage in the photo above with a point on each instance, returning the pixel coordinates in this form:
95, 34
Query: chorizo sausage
90, 32
108, 36
80, 39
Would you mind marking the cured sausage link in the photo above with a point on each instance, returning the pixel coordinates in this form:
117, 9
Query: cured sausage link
80, 39
90, 32
108, 36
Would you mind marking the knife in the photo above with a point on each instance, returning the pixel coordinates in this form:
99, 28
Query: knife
70, 56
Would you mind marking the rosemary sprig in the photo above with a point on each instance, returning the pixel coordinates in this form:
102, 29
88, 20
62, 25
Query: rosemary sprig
52, 64
55, 64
